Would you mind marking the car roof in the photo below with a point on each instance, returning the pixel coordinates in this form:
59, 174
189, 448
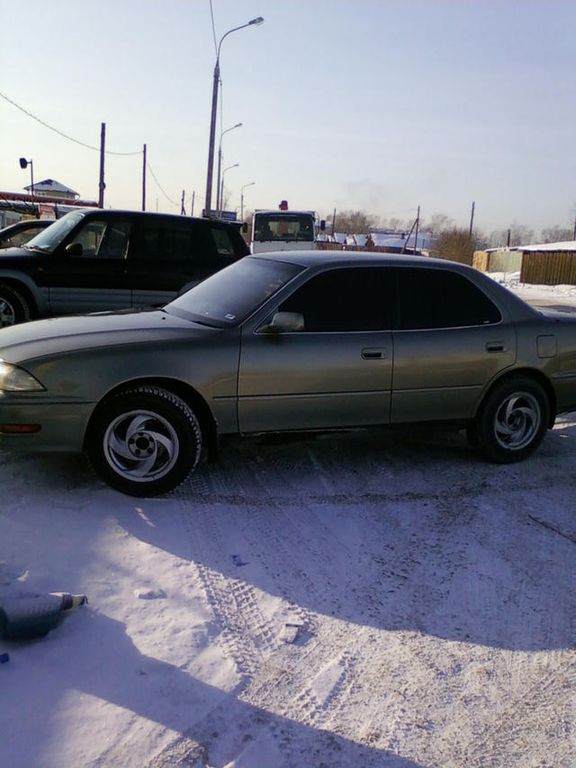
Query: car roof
153, 214
327, 256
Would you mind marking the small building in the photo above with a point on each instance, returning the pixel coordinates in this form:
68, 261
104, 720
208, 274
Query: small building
52, 188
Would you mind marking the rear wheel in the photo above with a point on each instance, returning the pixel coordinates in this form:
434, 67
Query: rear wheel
144, 441
13, 307
513, 420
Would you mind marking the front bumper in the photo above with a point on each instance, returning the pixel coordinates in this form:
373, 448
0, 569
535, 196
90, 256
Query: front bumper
62, 425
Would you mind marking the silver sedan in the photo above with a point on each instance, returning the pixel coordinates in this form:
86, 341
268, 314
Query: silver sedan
289, 341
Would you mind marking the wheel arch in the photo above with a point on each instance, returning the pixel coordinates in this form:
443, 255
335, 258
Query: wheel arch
28, 289
182, 390
531, 373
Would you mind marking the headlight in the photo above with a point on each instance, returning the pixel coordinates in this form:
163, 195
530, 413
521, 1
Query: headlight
14, 379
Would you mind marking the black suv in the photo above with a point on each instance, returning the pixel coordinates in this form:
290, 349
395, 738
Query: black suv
93, 260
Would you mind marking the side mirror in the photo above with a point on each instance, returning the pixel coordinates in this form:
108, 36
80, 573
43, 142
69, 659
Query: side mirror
284, 322
323, 225
74, 249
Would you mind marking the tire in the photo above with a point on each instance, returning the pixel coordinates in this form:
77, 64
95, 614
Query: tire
144, 441
13, 307
513, 420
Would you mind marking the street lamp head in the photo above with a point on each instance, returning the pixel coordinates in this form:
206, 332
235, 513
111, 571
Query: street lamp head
257, 20
24, 163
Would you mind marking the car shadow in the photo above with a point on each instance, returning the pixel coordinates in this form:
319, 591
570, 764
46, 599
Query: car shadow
92, 654
410, 532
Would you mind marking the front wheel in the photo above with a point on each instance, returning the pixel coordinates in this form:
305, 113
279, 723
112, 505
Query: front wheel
13, 307
144, 441
513, 420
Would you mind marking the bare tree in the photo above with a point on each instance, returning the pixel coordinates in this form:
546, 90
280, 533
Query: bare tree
438, 223
556, 234
354, 222
455, 244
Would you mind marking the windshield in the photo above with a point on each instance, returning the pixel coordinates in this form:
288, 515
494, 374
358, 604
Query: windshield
51, 237
283, 227
231, 295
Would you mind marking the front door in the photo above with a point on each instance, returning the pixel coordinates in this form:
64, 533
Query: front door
87, 273
336, 372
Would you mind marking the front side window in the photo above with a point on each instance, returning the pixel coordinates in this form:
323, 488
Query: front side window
102, 239
437, 298
351, 299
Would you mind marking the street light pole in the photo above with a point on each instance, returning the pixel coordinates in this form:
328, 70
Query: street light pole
215, 84
222, 185
242, 199
238, 125
24, 164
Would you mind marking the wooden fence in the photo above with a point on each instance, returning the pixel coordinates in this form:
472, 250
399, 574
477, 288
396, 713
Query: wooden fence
535, 267
549, 268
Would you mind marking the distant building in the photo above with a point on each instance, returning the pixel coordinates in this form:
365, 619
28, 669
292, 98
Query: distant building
52, 188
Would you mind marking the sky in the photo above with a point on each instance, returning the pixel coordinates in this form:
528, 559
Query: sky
372, 105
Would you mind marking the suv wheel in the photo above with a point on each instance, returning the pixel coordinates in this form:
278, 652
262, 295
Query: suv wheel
13, 307
144, 441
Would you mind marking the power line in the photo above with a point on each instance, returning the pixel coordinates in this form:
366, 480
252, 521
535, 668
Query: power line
160, 186
61, 133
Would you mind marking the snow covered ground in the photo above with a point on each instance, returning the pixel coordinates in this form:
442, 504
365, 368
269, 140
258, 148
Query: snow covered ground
363, 599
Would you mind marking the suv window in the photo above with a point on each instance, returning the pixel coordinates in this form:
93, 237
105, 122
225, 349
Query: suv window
222, 242
160, 240
437, 298
351, 299
103, 239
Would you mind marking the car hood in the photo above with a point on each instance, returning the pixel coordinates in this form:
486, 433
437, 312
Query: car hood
16, 254
59, 335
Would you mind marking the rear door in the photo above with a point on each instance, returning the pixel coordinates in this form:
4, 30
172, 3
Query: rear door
450, 341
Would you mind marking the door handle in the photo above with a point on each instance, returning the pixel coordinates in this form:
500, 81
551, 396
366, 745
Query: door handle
495, 346
373, 353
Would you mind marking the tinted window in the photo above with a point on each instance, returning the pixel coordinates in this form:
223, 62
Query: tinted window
171, 241
352, 299
436, 298
222, 242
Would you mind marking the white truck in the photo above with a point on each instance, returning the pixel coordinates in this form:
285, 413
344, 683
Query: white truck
283, 230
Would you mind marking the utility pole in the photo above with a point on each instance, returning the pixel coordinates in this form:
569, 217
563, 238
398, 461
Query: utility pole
192, 203
574, 235
182, 209
417, 228
144, 178
472, 220
102, 185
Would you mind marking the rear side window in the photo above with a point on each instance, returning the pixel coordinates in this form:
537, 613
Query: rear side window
171, 241
437, 298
